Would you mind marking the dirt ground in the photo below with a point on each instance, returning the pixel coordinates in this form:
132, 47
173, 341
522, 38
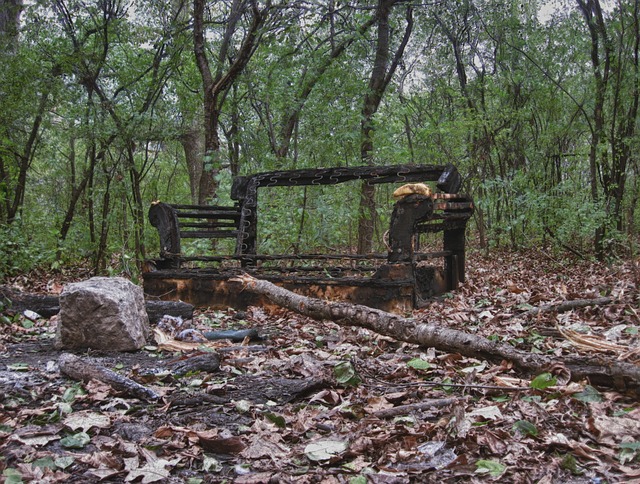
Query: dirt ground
317, 402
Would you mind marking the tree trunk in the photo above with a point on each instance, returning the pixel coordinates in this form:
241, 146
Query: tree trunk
100, 262
28, 153
192, 141
137, 207
608, 373
9, 25
381, 75
592, 14
216, 85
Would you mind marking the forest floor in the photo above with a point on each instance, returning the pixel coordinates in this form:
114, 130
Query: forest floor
306, 404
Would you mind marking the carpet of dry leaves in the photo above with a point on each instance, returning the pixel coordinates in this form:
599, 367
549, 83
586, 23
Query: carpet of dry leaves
316, 402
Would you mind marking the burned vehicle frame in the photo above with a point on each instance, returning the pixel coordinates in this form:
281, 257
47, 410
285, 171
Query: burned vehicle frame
399, 280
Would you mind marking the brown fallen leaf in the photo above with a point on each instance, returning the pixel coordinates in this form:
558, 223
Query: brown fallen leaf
222, 445
261, 447
154, 470
613, 430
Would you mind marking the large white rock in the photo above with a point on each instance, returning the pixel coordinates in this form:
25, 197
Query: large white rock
104, 313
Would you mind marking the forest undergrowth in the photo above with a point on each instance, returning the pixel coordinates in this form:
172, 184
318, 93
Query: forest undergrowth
316, 402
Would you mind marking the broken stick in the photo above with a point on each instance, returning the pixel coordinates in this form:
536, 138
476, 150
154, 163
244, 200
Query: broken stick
599, 370
83, 370
565, 306
416, 407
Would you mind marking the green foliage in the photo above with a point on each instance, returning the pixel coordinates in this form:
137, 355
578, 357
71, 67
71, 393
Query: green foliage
419, 364
543, 381
526, 428
22, 250
570, 463
490, 467
589, 395
96, 113
76, 441
629, 452
346, 374
12, 476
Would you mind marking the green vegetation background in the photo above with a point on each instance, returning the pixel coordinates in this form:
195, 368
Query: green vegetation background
102, 110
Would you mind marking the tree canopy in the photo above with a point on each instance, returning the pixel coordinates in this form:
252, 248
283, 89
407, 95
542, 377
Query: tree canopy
109, 105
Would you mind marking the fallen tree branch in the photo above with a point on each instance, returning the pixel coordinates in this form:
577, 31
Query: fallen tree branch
562, 244
48, 306
415, 407
565, 306
84, 370
599, 371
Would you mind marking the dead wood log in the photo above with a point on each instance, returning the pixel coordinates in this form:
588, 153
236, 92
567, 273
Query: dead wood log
84, 370
157, 309
203, 362
565, 306
597, 369
17, 302
47, 306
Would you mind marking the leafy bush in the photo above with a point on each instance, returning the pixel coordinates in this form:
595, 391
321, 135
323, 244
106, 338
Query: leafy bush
18, 251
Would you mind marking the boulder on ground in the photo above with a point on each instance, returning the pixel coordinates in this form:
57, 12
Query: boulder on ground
104, 313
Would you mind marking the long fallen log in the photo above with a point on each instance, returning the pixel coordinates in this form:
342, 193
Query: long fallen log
47, 306
597, 369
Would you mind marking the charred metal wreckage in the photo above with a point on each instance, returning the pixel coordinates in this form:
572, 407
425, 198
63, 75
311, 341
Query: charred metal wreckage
399, 280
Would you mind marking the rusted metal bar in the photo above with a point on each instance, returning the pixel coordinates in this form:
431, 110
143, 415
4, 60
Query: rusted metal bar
206, 224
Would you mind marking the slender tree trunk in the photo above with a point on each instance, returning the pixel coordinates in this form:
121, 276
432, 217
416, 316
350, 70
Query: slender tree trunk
100, 263
192, 141
592, 13
628, 105
9, 25
26, 157
90, 197
381, 75
137, 207
216, 86
77, 189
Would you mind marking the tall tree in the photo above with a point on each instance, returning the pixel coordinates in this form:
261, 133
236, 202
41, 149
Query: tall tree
614, 51
315, 44
242, 20
124, 89
28, 81
9, 24
385, 64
